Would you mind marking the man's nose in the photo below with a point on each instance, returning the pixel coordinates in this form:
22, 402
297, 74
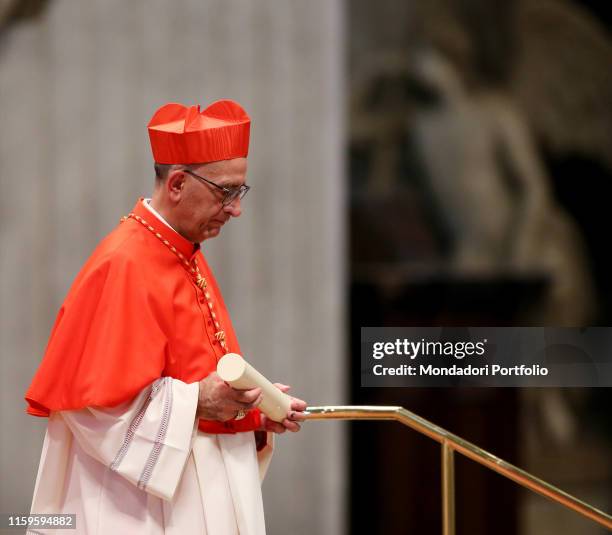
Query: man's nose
234, 209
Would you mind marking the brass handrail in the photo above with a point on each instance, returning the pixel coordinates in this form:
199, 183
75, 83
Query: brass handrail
451, 443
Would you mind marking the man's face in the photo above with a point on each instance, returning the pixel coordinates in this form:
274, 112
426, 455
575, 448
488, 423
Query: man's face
200, 213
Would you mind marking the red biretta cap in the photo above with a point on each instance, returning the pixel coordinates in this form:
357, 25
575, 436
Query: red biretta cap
181, 134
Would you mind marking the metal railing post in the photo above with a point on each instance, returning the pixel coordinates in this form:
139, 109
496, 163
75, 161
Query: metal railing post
448, 489
452, 443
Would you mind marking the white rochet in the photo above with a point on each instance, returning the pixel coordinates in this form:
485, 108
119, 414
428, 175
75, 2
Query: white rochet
239, 374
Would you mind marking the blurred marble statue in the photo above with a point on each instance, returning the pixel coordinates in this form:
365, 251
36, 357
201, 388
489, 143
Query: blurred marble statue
493, 192
476, 88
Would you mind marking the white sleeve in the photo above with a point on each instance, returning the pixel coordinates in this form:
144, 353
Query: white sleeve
146, 440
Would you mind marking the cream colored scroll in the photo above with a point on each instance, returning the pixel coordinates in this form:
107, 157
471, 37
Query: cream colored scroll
239, 374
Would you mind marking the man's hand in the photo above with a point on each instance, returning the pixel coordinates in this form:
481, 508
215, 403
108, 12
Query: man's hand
290, 423
219, 401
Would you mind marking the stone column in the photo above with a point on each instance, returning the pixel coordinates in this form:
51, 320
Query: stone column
78, 88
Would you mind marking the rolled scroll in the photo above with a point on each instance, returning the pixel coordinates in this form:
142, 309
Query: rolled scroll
239, 374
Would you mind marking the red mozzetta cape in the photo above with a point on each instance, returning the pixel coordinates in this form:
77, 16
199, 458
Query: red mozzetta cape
133, 315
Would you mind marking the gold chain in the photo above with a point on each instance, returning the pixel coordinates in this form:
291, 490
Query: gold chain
193, 270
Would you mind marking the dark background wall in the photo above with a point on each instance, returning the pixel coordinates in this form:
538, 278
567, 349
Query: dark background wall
419, 255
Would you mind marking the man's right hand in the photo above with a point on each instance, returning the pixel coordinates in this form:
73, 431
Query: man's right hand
219, 401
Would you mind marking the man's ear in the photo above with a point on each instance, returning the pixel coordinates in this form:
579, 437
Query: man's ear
175, 184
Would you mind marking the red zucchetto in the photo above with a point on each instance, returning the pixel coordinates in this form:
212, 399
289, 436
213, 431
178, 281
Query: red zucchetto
186, 135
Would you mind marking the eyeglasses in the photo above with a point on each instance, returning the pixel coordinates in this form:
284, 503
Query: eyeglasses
229, 194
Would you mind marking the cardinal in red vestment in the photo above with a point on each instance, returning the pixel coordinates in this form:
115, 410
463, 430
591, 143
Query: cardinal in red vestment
143, 435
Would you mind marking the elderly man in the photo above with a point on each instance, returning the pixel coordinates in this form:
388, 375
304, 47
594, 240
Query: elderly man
143, 436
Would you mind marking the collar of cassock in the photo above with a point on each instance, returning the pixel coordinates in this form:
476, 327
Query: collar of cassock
183, 245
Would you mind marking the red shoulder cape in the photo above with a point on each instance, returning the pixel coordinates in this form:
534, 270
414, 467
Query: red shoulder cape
113, 334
